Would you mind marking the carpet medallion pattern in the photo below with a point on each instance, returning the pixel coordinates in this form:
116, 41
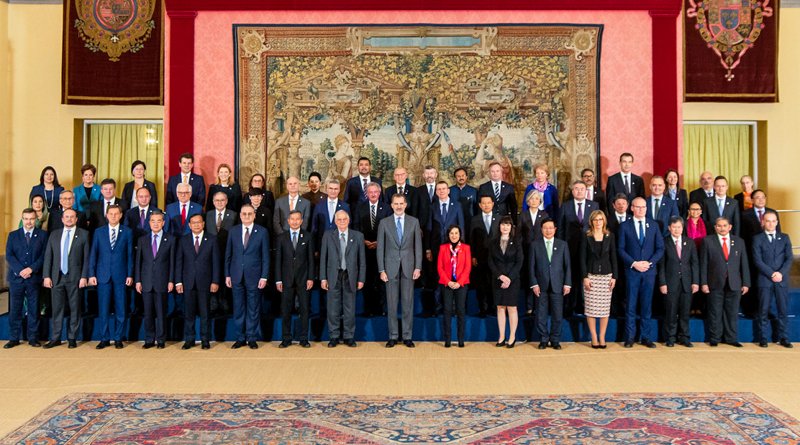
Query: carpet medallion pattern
681, 418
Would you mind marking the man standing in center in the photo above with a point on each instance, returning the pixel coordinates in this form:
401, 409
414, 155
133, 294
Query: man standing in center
294, 277
399, 263
154, 266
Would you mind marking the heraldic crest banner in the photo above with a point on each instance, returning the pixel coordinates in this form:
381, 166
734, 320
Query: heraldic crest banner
731, 51
113, 52
317, 98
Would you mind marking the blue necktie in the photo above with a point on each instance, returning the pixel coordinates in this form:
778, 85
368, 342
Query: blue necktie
65, 254
444, 212
641, 233
399, 231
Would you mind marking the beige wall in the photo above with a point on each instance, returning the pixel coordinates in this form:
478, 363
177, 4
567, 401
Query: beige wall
5, 109
782, 158
42, 130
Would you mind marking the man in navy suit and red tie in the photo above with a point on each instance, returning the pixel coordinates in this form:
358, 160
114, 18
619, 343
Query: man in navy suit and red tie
772, 254
185, 176
640, 246
111, 270
154, 277
246, 272
178, 213
625, 181
25, 250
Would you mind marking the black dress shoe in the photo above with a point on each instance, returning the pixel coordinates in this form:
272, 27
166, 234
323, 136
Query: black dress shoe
285, 344
333, 343
447, 344
408, 343
391, 343
648, 344
187, 345
595, 346
669, 344
687, 344
557, 346
628, 344
50, 344
305, 344
238, 344
542, 345
735, 344
713, 344
161, 345
785, 343
350, 343
511, 345
501, 344
72, 344
252, 344
460, 344
14, 343
205, 344
103, 344
34, 344
763, 343
602, 346
148, 345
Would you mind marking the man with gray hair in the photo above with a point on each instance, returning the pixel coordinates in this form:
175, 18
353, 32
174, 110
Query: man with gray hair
178, 213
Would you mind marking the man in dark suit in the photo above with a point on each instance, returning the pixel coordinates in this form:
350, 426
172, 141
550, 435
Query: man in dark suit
66, 270
593, 190
314, 194
483, 227
25, 249
724, 277
772, 255
66, 201
322, 219
185, 176
219, 221
138, 220
445, 213
98, 209
342, 272
295, 272
464, 194
426, 195
573, 222
111, 270
618, 214
706, 189
198, 265
625, 181
291, 201
660, 207
678, 279
722, 205
355, 190
505, 198
751, 221
399, 264
640, 246
401, 186
178, 213
366, 219
246, 272
154, 277
550, 280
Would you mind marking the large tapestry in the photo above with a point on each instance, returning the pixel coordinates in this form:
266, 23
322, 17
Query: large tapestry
318, 98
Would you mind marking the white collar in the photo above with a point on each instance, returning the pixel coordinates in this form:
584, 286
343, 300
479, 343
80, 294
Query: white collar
333, 201
447, 202
195, 235
146, 209
727, 237
656, 197
250, 227
113, 227
675, 240
363, 178
621, 215
637, 220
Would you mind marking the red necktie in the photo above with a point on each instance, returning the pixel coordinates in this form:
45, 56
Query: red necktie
183, 214
725, 248
760, 216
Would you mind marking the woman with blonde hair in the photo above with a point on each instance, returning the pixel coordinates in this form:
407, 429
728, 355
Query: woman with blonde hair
227, 185
599, 272
548, 191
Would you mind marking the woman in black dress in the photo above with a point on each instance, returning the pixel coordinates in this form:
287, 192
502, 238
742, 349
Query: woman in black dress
227, 185
505, 263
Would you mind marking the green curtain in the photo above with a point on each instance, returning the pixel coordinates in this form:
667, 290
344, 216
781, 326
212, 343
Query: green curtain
114, 147
721, 149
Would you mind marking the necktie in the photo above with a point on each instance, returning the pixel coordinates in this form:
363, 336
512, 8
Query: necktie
185, 179
331, 211
627, 185
761, 216
656, 208
291, 203
641, 233
678, 247
364, 188
183, 214
621, 219
219, 221
720, 206
444, 212
246, 237
549, 245
141, 218
155, 245
108, 203
580, 212
65, 254
487, 221
342, 249
372, 216
496, 191
399, 231
589, 193
28, 237
708, 194
113, 238
725, 248
197, 244
294, 239
430, 191
400, 190
771, 237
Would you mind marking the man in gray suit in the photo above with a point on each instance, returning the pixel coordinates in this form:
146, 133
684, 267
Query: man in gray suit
289, 202
399, 263
343, 271
66, 270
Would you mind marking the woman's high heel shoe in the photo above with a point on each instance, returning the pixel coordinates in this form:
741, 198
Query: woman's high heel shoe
500, 344
511, 345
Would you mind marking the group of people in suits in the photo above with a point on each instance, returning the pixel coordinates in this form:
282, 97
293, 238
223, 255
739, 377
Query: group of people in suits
577, 256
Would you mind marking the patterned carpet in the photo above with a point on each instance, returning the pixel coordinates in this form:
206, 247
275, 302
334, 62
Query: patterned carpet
691, 418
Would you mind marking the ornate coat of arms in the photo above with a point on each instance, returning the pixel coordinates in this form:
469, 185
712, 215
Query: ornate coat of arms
729, 27
115, 26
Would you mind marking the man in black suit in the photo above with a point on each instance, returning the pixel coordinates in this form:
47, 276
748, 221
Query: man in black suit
772, 255
678, 279
138, 220
752, 220
198, 267
722, 205
706, 189
401, 186
551, 281
505, 198
366, 219
186, 176
66, 200
724, 277
98, 209
483, 227
572, 226
219, 221
426, 204
295, 272
153, 274
617, 214
624, 181
593, 190
356, 189
464, 194
660, 207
